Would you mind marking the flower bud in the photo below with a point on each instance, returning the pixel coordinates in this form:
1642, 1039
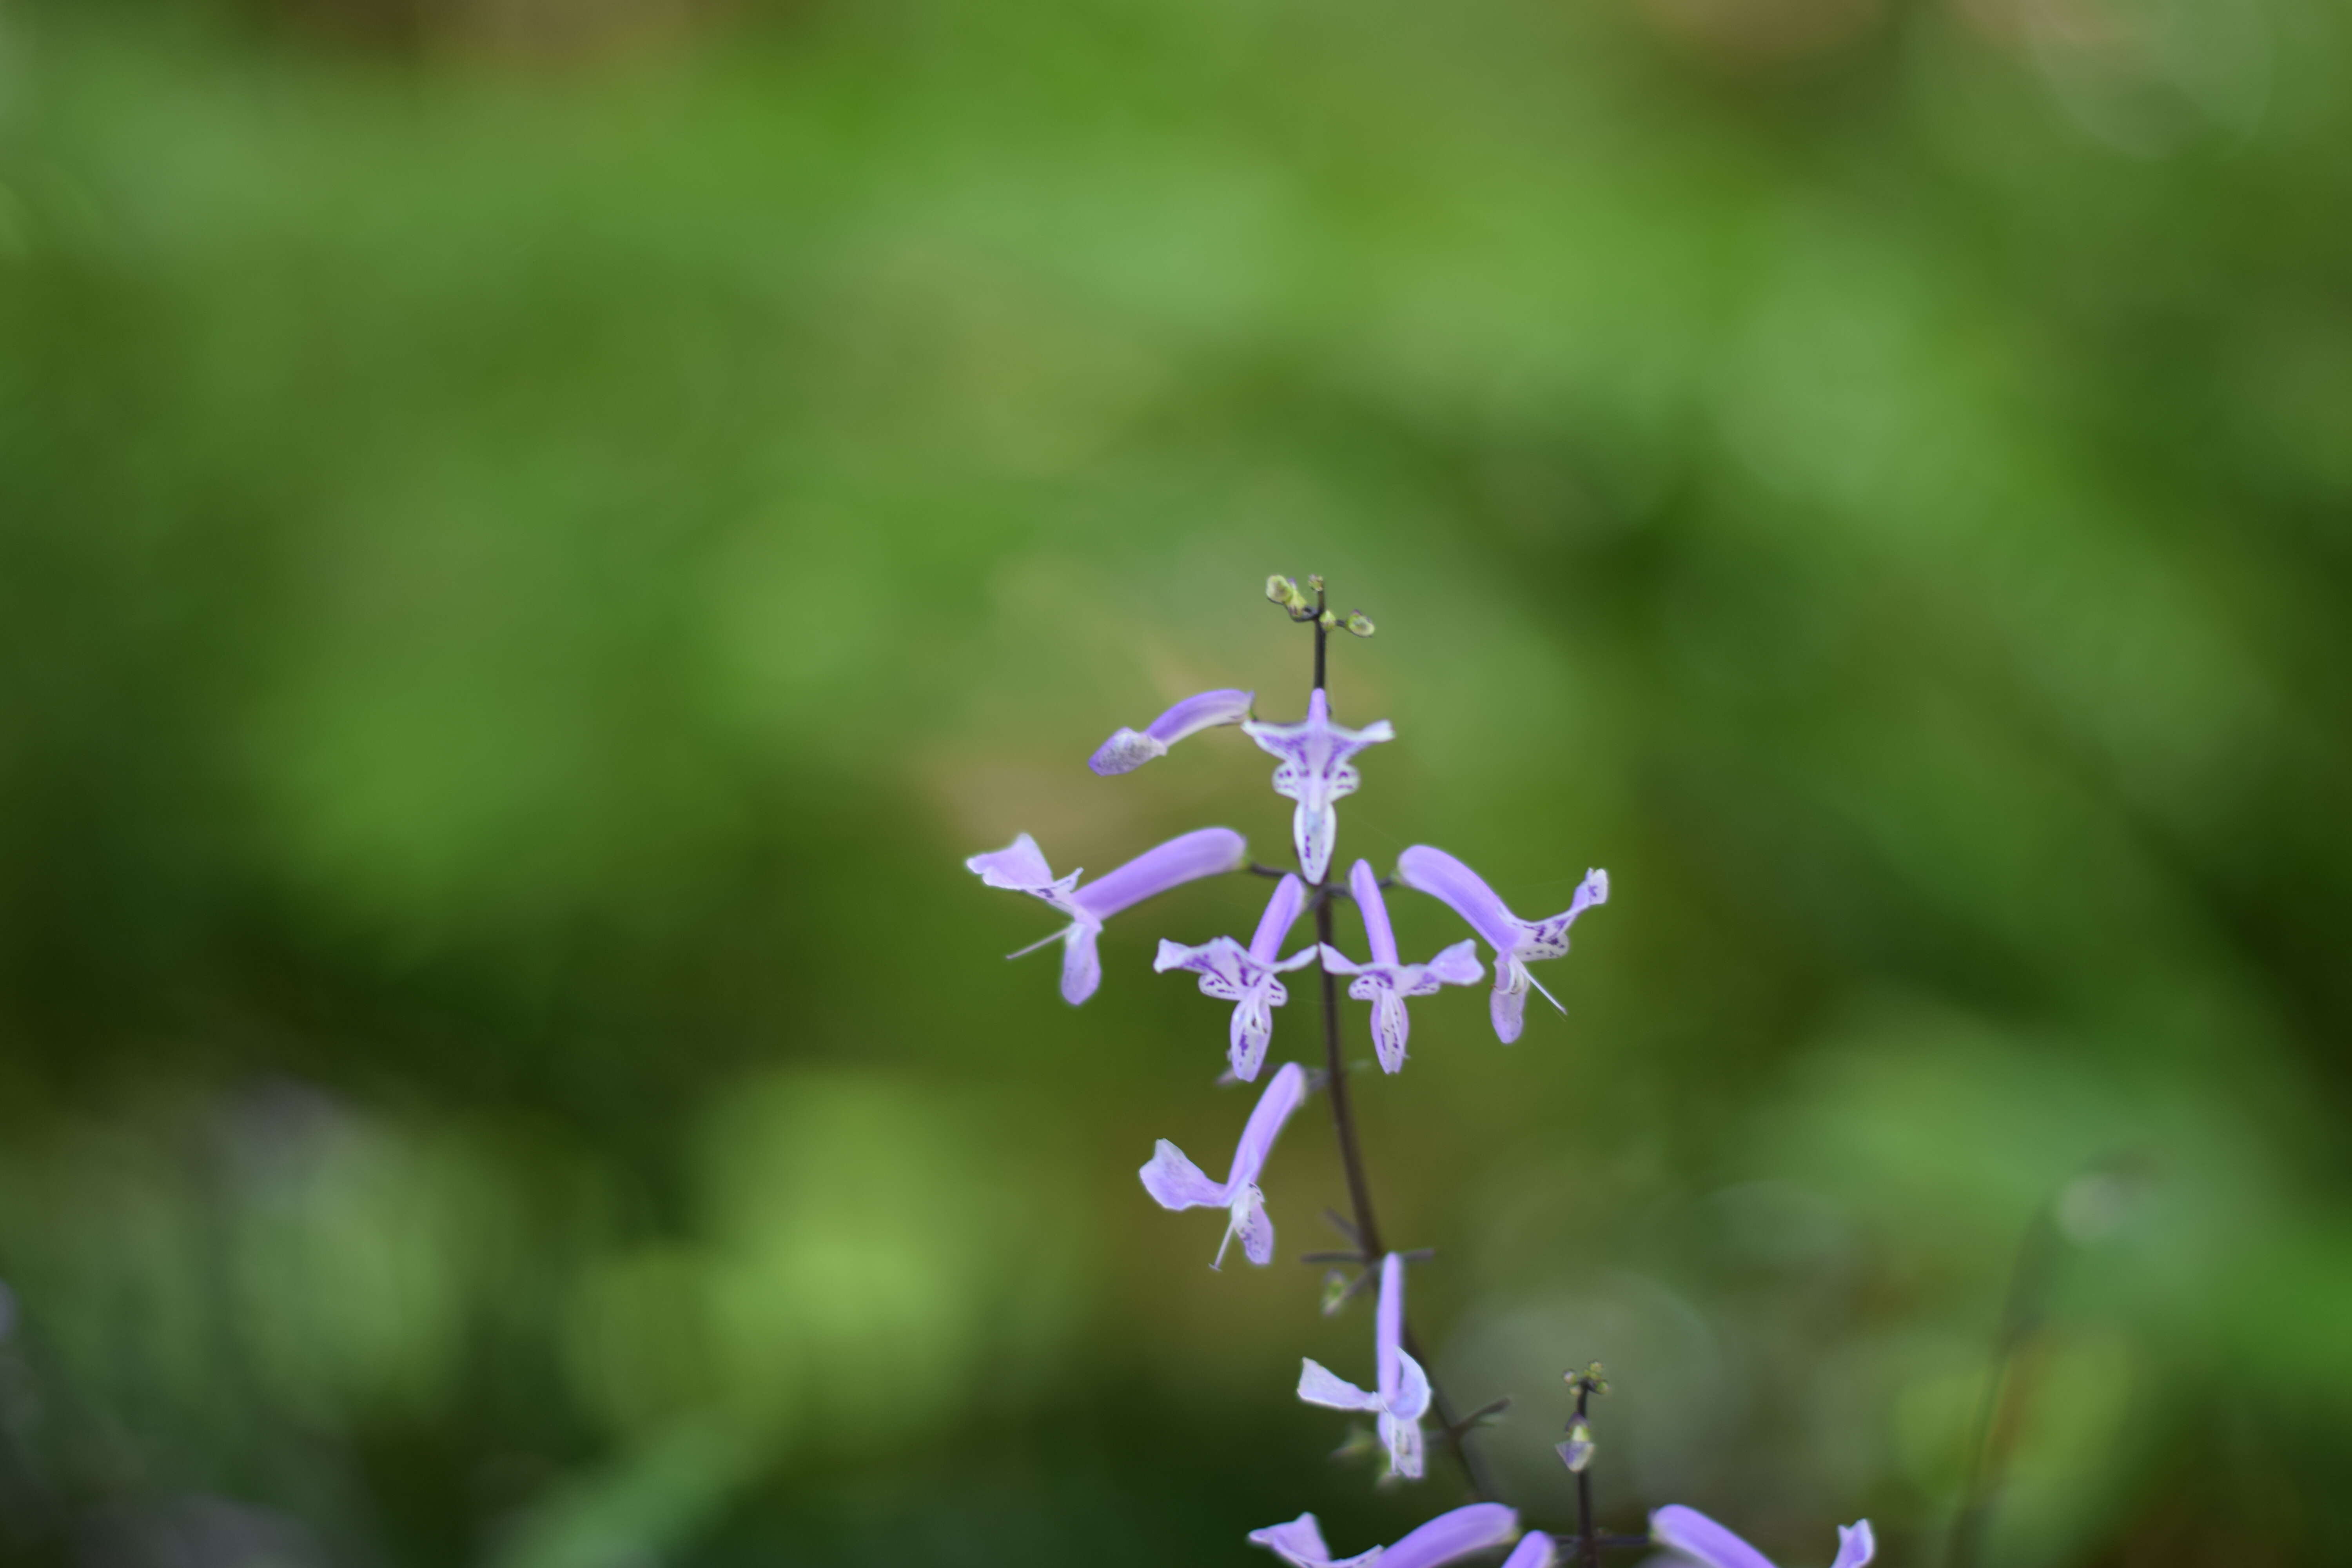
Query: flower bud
1360, 622
1577, 1452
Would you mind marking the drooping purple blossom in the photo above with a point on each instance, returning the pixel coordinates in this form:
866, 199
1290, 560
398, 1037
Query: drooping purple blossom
1021, 866
1312, 768
1245, 976
1128, 750
1691, 1535
1516, 941
1175, 1182
1384, 981
1402, 1396
1448, 1538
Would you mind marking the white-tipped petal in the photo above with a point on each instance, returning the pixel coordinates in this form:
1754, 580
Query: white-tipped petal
1318, 1385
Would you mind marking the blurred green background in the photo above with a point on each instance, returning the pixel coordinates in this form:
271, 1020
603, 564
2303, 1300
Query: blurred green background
535, 536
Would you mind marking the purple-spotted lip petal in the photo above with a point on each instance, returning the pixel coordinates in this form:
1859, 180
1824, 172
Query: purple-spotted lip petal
1476, 1527
1695, 1536
1312, 769
1128, 750
1856, 1545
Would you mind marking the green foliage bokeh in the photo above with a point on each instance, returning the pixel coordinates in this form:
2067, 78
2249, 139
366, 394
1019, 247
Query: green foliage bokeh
533, 539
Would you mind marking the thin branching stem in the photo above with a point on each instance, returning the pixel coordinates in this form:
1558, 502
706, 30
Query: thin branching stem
1366, 1226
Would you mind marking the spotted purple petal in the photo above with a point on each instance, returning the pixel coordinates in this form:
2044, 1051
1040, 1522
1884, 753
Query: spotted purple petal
1312, 768
1515, 941
1247, 976
1129, 749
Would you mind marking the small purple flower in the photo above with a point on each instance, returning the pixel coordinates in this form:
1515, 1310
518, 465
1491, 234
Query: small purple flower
1516, 941
1175, 1182
1472, 1528
1385, 982
1022, 867
1314, 771
1129, 749
1403, 1393
1693, 1535
1246, 976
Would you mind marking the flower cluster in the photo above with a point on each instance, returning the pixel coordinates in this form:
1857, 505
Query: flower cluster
1315, 768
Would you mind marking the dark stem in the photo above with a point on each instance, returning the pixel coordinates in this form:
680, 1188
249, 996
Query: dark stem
1322, 634
1588, 1543
1351, 1157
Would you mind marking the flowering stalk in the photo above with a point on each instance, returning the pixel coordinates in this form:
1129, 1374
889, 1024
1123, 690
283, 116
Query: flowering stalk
1315, 769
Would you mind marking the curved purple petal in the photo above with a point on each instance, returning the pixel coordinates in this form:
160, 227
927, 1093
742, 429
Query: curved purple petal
1284, 1094
1252, 1225
1401, 1438
1020, 866
1392, 1025
1411, 1401
1129, 749
1300, 1544
1508, 1004
1456, 965
1318, 1385
1175, 1182
1448, 880
1450, 1536
1378, 932
1700, 1539
1081, 964
1856, 1546
1388, 1330
1204, 852
1281, 914
1535, 1550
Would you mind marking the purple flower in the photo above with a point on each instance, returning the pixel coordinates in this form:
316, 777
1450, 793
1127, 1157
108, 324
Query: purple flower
1021, 866
1477, 1527
1692, 1534
1403, 1393
1175, 1182
1314, 772
1515, 941
1129, 749
1246, 976
1385, 982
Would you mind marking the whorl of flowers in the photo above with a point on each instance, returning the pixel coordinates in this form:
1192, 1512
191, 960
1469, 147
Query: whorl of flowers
1316, 769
